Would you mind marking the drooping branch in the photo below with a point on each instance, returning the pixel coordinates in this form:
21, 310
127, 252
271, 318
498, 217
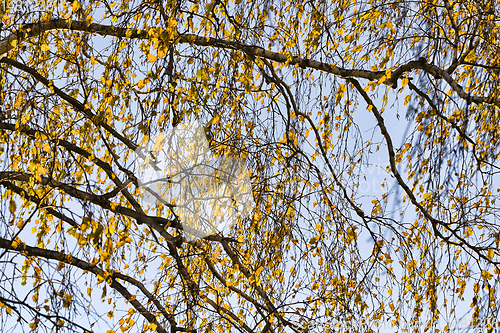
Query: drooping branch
453, 124
434, 221
83, 265
286, 91
52, 318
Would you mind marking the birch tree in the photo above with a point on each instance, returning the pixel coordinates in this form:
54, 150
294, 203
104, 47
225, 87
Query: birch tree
286, 88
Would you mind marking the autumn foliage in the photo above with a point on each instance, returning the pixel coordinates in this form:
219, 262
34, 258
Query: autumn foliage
369, 129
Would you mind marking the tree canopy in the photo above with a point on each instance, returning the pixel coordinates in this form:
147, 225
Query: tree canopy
369, 130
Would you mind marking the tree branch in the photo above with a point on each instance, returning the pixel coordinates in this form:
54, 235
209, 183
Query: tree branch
72, 101
392, 160
35, 29
62, 257
92, 198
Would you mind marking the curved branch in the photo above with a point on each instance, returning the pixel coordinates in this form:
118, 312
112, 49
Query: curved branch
392, 159
35, 29
101, 201
72, 101
391, 79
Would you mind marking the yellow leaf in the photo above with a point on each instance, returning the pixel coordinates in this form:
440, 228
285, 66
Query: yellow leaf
152, 58
76, 5
12, 206
357, 48
41, 170
45, 47
471, 56
89, 20
161, 52
160, 141
46, 147
407, 99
